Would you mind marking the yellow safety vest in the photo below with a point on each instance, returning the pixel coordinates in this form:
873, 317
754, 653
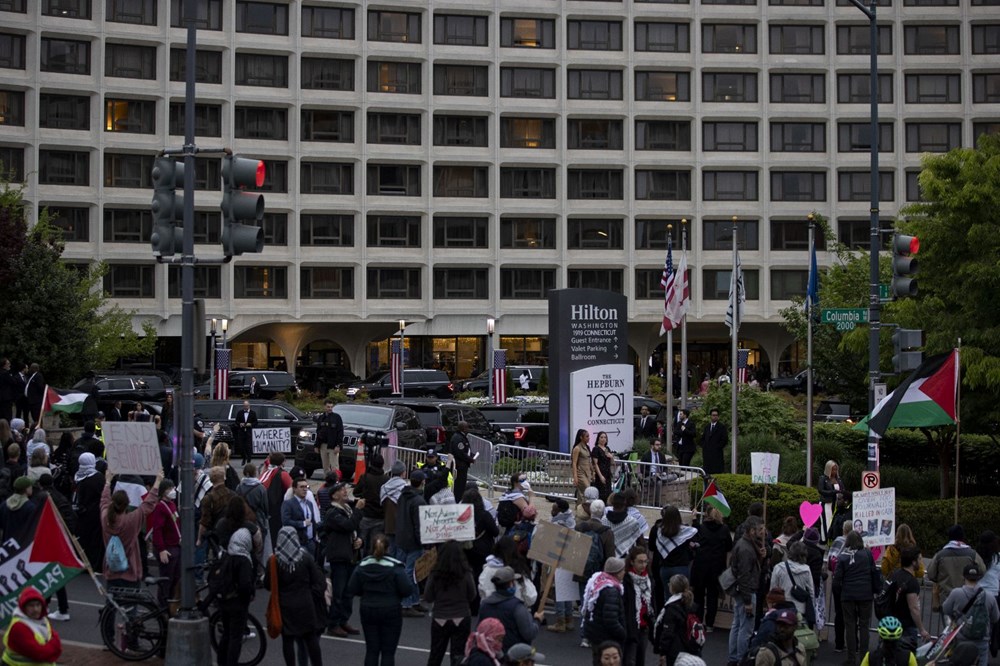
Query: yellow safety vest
14, 659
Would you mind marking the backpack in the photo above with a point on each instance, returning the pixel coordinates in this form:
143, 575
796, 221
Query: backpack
750, 659
521, 533
595, 557
885, 601
889, 654
977, 626
694, 634
114, 555
508, 514
220, 585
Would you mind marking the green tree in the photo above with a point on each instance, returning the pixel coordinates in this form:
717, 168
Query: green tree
55, 315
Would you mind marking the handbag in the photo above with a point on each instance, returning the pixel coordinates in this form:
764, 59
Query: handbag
808, 639
727, 581
273, 605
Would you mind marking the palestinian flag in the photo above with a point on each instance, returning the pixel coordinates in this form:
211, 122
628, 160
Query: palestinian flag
39, 553
925, 398
56, 400
714, 497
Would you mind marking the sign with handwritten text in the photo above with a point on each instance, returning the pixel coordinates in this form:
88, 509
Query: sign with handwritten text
272, 440
764, 467
131, 447
446, 522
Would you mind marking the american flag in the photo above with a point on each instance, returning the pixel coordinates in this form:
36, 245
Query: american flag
742, 360
676, 291
499, 378
396, 366
222, 360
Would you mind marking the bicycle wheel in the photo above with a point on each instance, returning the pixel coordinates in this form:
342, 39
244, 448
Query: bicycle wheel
135, 633
254, 645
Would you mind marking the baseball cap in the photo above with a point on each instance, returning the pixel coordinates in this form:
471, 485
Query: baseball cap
432, 452
972, 572
521, 651
787, 616
503, 575
337, 486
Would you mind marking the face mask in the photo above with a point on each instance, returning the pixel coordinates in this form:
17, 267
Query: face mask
172, 494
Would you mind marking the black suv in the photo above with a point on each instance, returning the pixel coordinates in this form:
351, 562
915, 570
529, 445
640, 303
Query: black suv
525, 424
270, 414
361, 418
272, 383
440, 419
417, 382
127, 388
481, 382
323, 378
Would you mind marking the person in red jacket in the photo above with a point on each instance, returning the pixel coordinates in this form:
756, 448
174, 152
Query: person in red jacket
30, 639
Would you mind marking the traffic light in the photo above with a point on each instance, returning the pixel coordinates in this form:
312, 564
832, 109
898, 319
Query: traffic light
904, 265
906, 355
239, 173
168, 207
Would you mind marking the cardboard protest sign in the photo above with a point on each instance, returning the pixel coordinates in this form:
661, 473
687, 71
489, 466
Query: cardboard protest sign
272, 440
764, 467
559, 547
446, 522
425, 564
873, 513
131, 447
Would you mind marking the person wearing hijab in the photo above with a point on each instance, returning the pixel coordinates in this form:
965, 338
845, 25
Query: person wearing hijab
235, 604
87, 502
29, 638
37, 442
301, 587
484, 645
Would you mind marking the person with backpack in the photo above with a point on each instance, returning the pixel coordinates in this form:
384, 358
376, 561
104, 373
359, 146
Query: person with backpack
794, 577
775, 602
408, 545
232, 582
979, 610
603, 606
505, 606
714, 544
892, 650
512, 503
677, 630
638, 606
858, 580
903, 590
625, 528
783, 649
369, 489
507, 554
254, 494
121, 529
946, 569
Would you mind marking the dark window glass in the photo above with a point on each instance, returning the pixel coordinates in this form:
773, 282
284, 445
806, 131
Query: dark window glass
123, 225
933, 137
797, 39
207, 66
609, 279
729, 87
261, 18
717, 284
127, 170
798, 88
327, 74
65, 56
798, 186
933, 88
595, 184
527, 183
930, 39
663, 135
856, 39
207, 227
207, 119
461, 30
260, 122
651, 234
17, 6
257, 69
326, 178
462, 232
526, 283
594, 35
662, 185
76, 9
461, 181
787, 284
327, 282
662, 86
397, 128
857, 186
986, 88
129, 61
856, 233
798, 137
129, 116
139, 12
275, 226
981, 129
594, 84
328, 125
328, 22
63, 167
534, 233
593, 134
986, 39
454, 282
393, 283
728, 38
856, 88
72, 220
398, 180
208, 175
461, 131
207, 282
527, 82
857, 137
326, 230
662, 37
260, 282
12, 108
385, 26
913, 189
595, 234
794, 235
648, 286
64, 112
129, 281
11, 51
735, 137
462, 80
730, 185
394, 77
528, 33
208, 14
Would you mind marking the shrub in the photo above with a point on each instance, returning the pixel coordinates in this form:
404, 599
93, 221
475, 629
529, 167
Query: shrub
337, 396
783, 499
465, 395
656, 385
929, 519
507, 466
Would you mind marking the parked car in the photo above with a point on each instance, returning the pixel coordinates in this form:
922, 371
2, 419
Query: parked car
417, 382
273, 383
481, 381
322, 379
440, 419
110, 388
524, 424
834, 411
270, 414
361, 419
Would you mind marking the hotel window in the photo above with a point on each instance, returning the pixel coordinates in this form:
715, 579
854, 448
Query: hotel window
730, 136
461, 30
275, 226
328, 22
663, 135
128, 61
986, 39
207, 282
856, 137
393, 283
662, 86
126, 170
933, 88
394, 128
718, 282
327, 74
394, 77
608, 279
662, 185
528, 33
730, 185
461, 181
527, 132
648, 286
856, 88
594, 84
327, 125
593, 134
651, 233
729, 87
462, 80
207, 66
326, 178
986, 88
798, 88
980, 129
856, 233
138, 12
395, 180
662, 37
63, 167
533, 233
913, 190
129, 116
257, 69
526, 283
595, 234
208, 175
326, 230
788, 284
718, 235
933, 137
334, 282
74, 9
469, 131
122, 225
64, 56
208, 14
12, 163
260, 282
461, 232
595, 184
73, 221
460, 282
255, 122
64, 112
793, 235
728, 38
207, 227
796, 40
798, 186
527, 183
385, 26
857, 186
933, 39
261, 18
16, 6
129, 281
531, 82
856, 39
207, 119
594, 35
11, 51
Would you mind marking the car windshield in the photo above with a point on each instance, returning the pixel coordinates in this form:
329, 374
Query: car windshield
365, 416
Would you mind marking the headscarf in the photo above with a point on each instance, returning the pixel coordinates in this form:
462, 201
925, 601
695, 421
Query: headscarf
287, 549
598, 582
643, 593
488, 637
240, 543
666, 544
38, 441
392, 489
88, 467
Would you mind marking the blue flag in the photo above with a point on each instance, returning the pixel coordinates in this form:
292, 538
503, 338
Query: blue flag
812, 290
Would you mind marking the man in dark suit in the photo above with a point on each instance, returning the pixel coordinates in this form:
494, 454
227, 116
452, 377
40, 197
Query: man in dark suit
685, 438
115, 413
246, 421
713, 444
21, 385
253, 391
645, 427
297, 511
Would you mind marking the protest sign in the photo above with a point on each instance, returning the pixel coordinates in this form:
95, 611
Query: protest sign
131, 447
272, 440
446, 522
764, 467
874, 516
425, 564
559, 547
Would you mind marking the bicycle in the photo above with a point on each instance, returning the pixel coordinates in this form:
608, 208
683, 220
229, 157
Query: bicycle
134, 627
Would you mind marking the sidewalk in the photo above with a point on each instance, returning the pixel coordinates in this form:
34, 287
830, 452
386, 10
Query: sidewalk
83, 654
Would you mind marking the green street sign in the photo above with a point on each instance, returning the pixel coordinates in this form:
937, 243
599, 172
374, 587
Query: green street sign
845, 319
883, 292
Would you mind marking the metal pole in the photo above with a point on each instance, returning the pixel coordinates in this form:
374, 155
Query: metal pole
402, 358
809, 366
684, 328
489, 358
874, 305
669, 367
211, 365
734, 332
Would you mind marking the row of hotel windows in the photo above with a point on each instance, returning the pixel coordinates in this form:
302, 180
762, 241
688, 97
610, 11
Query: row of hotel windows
71, 168
124, 225
449, 282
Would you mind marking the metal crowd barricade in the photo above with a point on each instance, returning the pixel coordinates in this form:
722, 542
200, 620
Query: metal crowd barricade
481, 469
409, 457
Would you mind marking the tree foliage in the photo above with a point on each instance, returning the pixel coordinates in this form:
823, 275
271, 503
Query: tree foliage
56, 315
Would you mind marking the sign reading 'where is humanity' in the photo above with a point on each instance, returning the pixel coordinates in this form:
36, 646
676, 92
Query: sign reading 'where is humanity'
845, 319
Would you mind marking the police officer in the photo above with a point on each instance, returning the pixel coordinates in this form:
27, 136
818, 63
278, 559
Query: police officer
461, 453
329, 437
436, 473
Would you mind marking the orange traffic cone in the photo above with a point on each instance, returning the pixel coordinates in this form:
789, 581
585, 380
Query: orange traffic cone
359, 464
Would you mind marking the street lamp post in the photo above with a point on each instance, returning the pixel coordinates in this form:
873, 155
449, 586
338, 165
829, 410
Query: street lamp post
490, 327
211, 360
402, 358
225, 337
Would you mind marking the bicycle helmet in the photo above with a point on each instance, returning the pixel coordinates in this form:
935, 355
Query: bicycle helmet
890, 629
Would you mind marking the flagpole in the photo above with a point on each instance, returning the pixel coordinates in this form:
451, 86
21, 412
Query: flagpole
809, 357
76, 545
668, 363
735, 303
958, 419
684, 325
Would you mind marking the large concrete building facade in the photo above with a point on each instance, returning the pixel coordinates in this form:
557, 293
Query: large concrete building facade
447, 162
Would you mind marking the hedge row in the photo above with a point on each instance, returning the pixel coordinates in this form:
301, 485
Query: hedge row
783, 499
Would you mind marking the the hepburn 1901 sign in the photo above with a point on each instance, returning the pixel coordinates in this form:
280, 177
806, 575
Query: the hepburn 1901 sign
588, 329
